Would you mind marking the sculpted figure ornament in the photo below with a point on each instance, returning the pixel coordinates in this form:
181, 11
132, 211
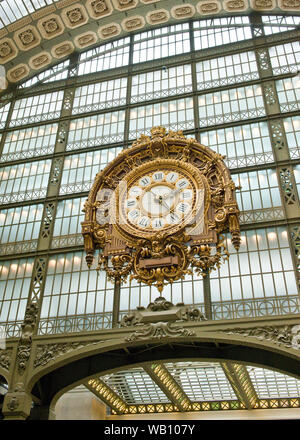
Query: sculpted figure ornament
160, 303
28, 326
172, 198
129, 320
13, 404
149, 254
161, 319
5, 358
190, 313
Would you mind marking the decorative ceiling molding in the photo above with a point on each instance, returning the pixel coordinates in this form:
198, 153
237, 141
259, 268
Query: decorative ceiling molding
75, 16
208, 7
50, 26
99, 8
63, 49
40, 61
235, 5
263, 5
8, 50
289, 5
106, 19
109, 31
133, 23
85, 39
27, 38
17, 73
124, 5
183, 11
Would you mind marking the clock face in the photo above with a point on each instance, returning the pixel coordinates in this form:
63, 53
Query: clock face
158, 200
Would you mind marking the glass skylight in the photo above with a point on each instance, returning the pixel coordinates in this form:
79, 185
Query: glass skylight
202, 381
135, 386
270, 384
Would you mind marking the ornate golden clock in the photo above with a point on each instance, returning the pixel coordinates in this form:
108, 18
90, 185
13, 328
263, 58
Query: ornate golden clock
157, 210
163, 195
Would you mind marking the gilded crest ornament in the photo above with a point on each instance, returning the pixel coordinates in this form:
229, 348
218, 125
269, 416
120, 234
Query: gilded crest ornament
157, 211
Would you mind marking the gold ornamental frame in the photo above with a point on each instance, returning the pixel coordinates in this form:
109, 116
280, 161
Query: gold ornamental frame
164, 256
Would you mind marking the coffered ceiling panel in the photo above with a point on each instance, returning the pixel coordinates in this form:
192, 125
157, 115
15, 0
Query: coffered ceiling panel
35, 34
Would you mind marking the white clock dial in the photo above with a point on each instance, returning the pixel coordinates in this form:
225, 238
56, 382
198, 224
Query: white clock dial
145, 181
159, 200
183, 208
135, 191
182, 183
186, 194
134, 215
158, 176
172, 218
131, 203
158, 223
143, 222
172, 177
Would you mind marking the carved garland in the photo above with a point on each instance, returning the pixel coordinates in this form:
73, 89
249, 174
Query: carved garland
25, 342
49, 352
288, 336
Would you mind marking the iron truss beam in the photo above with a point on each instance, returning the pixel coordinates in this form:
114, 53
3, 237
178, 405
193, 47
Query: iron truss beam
161, 376
107, 395
240, 381
222, 405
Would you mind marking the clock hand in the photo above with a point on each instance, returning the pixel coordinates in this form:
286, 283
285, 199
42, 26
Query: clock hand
160, 200
165, 205
156, 197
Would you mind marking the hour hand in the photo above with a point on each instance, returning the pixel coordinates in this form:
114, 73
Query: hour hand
156, 197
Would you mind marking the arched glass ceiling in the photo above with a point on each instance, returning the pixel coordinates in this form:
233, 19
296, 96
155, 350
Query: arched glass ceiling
164, 42
204, 385
13, 10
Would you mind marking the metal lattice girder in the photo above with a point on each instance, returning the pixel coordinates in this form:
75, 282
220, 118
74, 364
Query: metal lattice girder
107, 395
169, 386
240, 381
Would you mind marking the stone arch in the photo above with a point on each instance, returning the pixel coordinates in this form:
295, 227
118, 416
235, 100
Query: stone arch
71, 369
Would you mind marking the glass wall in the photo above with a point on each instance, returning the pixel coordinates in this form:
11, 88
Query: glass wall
207, 78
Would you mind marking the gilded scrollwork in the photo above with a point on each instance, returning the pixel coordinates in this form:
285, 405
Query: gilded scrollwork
202, 259
150, 254
119, 268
